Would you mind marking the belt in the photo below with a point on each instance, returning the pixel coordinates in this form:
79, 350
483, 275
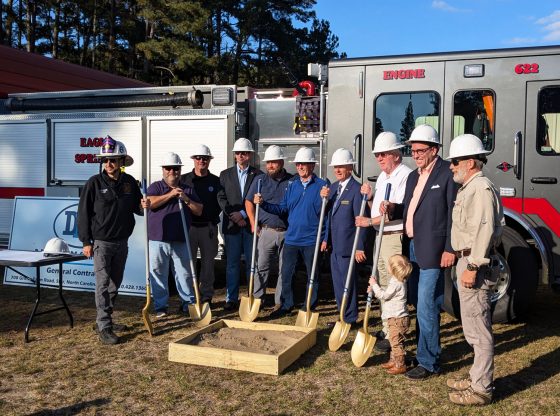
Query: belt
392, 232
463, 253
268, 227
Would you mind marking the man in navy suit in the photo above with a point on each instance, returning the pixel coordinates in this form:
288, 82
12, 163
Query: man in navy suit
426, 212
343, 207
235, 183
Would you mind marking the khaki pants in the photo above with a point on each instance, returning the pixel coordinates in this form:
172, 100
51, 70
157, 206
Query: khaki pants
476, 318
390, 244
398, 327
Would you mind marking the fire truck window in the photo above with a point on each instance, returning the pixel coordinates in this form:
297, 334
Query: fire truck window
473, 113
548, 121
401, 113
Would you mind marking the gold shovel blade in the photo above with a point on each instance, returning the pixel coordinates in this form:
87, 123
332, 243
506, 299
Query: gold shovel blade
248, 310
308, 320
146, 312
338, 335
202, 316
362, 348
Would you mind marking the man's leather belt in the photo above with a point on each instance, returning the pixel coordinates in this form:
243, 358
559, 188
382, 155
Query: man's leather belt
463, 253
268, 227
392, 232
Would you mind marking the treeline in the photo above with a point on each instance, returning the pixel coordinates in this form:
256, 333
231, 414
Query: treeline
175, 42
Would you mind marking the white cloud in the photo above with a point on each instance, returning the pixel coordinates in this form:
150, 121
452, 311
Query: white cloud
551, 26
520, 41
442, 5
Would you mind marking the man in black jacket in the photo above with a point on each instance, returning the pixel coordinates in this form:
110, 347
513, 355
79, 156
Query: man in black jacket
235, 182
204, 228
106, 211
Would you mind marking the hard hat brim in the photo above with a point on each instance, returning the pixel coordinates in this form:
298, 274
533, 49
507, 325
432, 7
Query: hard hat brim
128, 160
485, 152
388, 149
276, 158
193, 156
342, 164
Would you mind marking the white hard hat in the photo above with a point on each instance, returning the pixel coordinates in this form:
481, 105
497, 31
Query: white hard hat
202, 150
171, 159
386, 141
273, 153
56, 246
113, 148
242, 145
466, 145
342, 156
305, 155
424, 133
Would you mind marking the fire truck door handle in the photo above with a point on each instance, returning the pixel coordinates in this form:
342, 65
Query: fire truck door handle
545, 180
358, 155
361, 85
516, 155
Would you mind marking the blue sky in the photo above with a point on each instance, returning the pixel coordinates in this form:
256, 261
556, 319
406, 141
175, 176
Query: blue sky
389, 27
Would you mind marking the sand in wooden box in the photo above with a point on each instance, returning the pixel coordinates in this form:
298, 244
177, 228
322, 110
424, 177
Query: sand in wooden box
248, 346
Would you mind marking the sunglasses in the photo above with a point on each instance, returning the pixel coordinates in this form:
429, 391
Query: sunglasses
242, 153
420, 152
111, 160
173, 168
381, 154
455, 161
205, 158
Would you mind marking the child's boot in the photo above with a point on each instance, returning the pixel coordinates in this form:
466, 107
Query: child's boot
389, 364
399, 366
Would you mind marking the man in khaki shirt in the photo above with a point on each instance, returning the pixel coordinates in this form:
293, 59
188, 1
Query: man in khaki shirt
477, 222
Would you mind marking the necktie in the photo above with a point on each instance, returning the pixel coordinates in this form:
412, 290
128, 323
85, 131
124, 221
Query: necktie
338, 195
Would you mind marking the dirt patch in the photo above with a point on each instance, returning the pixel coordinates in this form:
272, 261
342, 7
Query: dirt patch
249, 340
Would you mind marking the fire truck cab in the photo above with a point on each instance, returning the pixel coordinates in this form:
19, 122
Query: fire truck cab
510, 99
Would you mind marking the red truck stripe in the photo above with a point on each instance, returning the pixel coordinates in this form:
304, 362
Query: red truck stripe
536, 206
10, 193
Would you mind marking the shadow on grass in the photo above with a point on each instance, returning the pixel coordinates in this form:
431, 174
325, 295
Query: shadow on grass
73, 409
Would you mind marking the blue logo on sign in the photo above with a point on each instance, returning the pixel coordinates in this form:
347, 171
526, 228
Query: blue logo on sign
65, 226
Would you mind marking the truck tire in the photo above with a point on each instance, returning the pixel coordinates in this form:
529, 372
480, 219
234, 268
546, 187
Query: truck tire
516, 285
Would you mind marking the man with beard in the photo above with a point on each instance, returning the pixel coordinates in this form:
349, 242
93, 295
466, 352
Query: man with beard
478, 220
271, 228
166, 235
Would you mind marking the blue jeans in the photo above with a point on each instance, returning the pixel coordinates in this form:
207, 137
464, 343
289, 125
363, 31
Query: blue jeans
425, 288
289, 261
236, 244
160, 254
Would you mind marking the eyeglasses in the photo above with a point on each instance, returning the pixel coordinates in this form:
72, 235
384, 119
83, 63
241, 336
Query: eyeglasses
111, 160
381, 154
204, 158
420, 152
173, 168
241, 153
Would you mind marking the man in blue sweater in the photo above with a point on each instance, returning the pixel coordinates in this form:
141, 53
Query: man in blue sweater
302, 205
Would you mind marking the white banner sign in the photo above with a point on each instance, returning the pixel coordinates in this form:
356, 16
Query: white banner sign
38, 219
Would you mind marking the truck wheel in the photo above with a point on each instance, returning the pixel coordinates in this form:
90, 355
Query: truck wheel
516, 284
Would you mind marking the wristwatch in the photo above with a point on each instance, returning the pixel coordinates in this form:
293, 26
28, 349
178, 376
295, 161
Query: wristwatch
472, 267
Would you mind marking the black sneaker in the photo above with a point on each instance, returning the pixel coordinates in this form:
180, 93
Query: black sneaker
383, 345
279, 313
230, 306
115, 327
108, 337
418, 373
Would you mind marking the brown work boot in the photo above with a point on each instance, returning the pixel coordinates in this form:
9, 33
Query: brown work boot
399, 366
469, 397
458, 384
388, 364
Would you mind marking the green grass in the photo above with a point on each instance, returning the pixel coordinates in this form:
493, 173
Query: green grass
67, 371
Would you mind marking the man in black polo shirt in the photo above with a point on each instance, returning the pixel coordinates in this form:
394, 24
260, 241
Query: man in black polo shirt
204, 228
